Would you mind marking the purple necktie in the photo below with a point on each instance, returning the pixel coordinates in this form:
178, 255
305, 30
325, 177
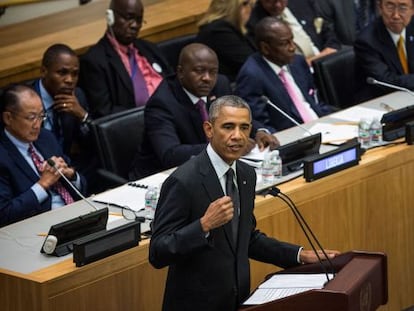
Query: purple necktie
138, 81
201, 106
58, 187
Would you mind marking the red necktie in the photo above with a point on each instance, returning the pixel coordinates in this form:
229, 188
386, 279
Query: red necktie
299, 104
58, 187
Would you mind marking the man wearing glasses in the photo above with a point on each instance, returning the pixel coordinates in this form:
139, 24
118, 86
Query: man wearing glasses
385, 49
28, 185
121, 72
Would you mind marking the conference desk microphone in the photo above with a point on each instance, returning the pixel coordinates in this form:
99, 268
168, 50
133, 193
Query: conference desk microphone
372, 81
53, 164
267, 100
275, 192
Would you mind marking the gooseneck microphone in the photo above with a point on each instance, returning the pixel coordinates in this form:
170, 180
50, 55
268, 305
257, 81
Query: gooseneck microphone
53, 164
267, 100
372, 81
274, 191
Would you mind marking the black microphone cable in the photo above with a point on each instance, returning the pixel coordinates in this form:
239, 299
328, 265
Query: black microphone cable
275, 192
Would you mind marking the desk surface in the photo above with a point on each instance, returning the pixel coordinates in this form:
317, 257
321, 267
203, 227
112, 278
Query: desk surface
366, 207
23, 44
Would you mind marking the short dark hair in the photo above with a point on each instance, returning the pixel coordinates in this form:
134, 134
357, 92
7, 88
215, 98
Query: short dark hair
53, 51
10, 99
262, 29
226, 101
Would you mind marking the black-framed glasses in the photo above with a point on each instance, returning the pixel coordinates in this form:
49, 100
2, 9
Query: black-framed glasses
129, 18
129, 214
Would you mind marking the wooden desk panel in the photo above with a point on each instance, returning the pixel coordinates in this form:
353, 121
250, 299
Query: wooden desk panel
23, 44
367, 207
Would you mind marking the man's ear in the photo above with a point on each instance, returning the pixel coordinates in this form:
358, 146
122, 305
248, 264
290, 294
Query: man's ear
264, 48
6, 116
208, 129
43, 71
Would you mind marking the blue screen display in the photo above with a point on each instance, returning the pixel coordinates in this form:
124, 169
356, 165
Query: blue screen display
335, 161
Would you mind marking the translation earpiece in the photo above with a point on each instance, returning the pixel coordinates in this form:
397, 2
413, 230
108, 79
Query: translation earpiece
50, 244
110, 19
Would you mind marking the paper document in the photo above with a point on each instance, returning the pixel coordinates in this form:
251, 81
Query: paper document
132, 194
356, 113
284, 285
335, 134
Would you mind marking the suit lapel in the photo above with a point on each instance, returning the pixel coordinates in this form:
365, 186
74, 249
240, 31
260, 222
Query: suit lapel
214, 190
409, 45
389, 46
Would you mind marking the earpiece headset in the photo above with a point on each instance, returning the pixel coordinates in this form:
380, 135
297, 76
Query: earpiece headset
110, 19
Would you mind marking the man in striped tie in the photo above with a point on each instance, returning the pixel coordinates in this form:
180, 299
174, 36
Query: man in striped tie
28, 185
385, 49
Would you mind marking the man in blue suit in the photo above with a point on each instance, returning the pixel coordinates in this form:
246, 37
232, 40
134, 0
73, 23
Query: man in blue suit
28, 185
282, 76
377, 49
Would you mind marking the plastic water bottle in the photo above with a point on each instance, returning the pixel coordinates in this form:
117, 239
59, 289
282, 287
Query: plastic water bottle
151, 200
364, 133
376, 132
267, 169
276, 161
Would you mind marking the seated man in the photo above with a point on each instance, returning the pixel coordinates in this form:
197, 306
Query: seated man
28, 185
385, 49
65, 104
121, 72
282, 76
175, 113
313, 38
347, 17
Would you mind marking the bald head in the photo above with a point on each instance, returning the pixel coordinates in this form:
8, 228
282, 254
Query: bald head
197, 69
128, 18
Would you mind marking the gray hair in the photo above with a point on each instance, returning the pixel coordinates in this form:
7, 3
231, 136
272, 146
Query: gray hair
226, 101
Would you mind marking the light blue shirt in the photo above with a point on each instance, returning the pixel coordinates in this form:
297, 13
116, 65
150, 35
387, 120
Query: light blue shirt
47, 102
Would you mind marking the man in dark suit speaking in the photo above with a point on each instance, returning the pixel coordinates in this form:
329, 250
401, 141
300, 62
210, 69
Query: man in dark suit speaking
204, 227
28, 185
175, 113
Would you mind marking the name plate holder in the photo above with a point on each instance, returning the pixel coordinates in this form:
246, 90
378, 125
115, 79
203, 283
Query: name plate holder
328, 163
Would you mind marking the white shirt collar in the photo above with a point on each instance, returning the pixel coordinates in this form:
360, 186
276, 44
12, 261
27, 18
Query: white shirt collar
220, 166
396, 36
194, 99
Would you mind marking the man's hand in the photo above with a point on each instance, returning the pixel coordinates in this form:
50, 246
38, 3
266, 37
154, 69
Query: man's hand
264, 139
309, 256
217, 214
63, 167
69, 104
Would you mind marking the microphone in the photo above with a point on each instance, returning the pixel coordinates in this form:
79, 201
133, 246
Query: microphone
267, 100
372, 81
275, 192
53, 164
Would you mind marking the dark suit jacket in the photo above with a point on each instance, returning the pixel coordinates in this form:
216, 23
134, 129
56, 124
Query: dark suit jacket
305, 13
208, 273
17, 201
105, 80
256, 79
173, 127
231, 46
377, 57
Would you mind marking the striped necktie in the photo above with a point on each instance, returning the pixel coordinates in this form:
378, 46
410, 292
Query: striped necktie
58, 186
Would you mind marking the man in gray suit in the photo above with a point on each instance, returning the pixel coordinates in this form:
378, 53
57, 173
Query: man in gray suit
207, 237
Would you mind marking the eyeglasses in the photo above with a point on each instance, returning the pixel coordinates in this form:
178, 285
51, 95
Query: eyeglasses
129, 214
32, 118
402, 9
130, 18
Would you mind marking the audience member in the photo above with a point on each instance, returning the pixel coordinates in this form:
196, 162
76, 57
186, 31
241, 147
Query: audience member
281, 75
65, 104
121, 72
28, 185
175, 113
204, 227
223, 30
347, 17
311, 40
385, 49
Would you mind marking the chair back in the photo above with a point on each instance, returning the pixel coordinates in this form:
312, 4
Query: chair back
335, 77
118, 137
171, 48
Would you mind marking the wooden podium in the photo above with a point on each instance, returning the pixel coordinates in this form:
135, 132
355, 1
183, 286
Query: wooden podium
360, 284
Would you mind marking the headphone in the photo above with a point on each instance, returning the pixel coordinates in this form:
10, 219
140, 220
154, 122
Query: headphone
110, 19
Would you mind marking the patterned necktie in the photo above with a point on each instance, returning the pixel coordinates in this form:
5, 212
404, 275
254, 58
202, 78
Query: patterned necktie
299, 104
57, 187
401, 54
232, 192
138, 80
201, 106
